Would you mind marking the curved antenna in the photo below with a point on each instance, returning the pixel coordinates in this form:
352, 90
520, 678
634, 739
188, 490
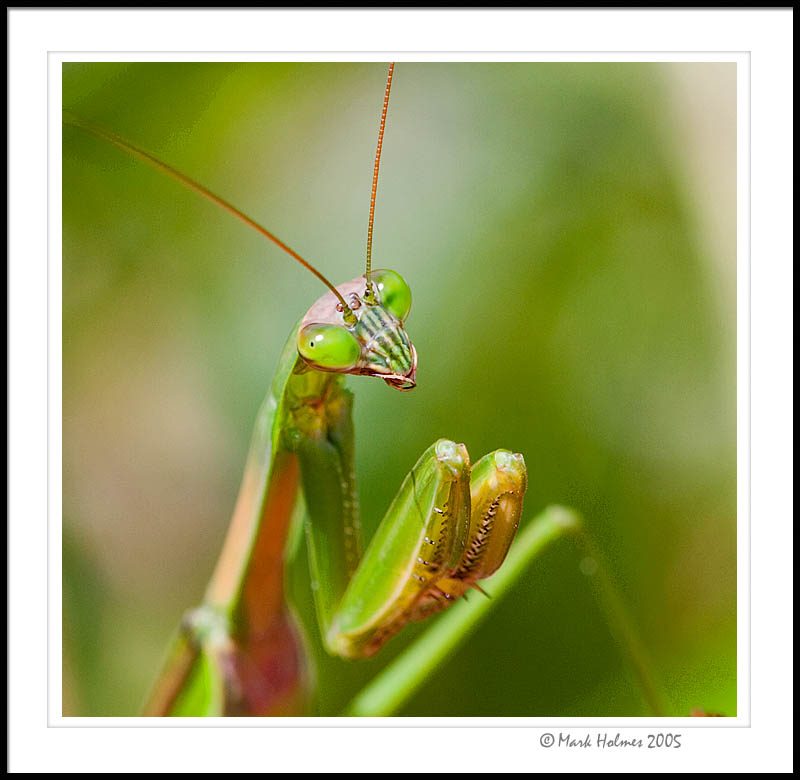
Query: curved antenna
150, 159
368, 293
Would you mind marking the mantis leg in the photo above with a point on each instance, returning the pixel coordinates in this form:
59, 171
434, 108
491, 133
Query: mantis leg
241, 652
449, 526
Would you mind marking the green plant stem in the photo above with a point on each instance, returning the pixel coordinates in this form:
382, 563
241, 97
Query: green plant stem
398, 681
619, 621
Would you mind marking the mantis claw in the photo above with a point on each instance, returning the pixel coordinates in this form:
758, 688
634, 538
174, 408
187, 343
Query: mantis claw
470, 518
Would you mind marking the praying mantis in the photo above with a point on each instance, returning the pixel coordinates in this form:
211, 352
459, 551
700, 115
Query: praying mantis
450, 526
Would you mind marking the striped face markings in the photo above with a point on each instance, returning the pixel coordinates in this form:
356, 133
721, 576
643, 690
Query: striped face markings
386, 347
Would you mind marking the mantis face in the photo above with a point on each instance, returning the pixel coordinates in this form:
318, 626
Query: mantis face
373, 342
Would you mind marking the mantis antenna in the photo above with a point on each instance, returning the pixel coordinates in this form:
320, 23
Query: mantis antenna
368, 274
150, 159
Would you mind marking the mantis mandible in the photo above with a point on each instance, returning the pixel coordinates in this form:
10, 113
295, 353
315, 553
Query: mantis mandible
450, 525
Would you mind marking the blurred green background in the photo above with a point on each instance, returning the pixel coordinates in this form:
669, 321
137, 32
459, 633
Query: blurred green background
568, 231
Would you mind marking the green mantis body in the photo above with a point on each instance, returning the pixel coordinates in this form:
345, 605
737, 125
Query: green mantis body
450, 525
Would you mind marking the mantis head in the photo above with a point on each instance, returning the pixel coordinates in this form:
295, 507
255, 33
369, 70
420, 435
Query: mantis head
358, 327
367, 338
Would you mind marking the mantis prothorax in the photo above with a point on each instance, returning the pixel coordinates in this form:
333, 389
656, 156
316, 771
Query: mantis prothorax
449, 526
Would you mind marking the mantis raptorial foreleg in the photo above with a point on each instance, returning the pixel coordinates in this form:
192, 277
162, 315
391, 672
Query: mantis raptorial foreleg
448, 527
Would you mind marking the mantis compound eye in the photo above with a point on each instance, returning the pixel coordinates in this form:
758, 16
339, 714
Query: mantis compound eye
393, 292
330, 347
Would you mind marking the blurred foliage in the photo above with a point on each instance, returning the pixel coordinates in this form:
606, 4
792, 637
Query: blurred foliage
568, 305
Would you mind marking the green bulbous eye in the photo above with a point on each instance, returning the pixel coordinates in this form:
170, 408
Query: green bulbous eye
328, 346
394, 293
